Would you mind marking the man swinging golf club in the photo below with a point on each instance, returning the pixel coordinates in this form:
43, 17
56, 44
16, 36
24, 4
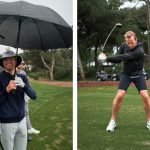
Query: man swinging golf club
12, 114
131, 53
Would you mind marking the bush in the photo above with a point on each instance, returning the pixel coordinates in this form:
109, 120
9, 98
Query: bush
39, 74
59, 74
91, 73
62, 74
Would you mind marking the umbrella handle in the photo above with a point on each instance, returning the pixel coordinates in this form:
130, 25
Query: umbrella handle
13, 91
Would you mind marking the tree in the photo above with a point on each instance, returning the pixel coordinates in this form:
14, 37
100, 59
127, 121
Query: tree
52, 64
96, 18
94, 22
80, 66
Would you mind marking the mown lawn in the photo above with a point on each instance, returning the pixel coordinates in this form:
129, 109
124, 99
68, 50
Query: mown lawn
94, 110
51, 113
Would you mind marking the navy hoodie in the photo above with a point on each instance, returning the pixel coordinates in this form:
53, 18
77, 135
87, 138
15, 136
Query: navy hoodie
133, 59
12, 104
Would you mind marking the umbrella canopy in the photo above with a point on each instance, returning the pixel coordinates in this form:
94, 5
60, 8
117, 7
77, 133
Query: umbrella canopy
28, 26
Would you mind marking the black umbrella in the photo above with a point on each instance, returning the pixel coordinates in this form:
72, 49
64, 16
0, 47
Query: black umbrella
28, 26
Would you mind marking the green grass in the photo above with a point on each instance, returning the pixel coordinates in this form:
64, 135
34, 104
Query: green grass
51, 113
94, 111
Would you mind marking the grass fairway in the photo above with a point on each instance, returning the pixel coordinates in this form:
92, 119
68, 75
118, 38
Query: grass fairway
94, 110
51, 113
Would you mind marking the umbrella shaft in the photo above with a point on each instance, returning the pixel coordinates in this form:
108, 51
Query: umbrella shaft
18, 35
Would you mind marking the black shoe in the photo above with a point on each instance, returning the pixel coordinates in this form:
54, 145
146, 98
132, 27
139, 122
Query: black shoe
29, 138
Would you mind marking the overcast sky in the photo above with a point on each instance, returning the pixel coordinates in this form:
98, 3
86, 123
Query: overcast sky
133, 4
63, 7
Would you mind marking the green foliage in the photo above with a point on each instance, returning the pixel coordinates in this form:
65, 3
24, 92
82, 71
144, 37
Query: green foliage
39, 74
62, 73
91, 74
32, 57
63, 61
96, 19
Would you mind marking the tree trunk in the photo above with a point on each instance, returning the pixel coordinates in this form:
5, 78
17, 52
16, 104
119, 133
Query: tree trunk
81, 70
51, 71
95, 58
51, 68
148, 27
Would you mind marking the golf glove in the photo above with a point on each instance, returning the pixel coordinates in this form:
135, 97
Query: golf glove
102, 57
19, 82
27, 98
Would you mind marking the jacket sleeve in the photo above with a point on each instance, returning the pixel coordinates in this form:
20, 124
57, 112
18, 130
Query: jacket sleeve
139, 52
3, 93
28, 89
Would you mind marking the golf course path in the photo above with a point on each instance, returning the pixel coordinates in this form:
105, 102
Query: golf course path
101, 83
58, 83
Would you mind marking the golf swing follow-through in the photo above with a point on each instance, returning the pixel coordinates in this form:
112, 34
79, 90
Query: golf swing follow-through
131, 52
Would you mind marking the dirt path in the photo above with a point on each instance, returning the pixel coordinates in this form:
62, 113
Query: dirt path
81, 83
59, 83
101, 83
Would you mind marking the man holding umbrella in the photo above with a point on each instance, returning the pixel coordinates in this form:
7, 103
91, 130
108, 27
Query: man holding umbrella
42, 29
12, 114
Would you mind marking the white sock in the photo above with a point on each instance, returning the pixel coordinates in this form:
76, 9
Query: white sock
148, 121
112, 120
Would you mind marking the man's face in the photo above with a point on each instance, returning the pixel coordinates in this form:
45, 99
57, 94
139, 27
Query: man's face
131, 41
9, 63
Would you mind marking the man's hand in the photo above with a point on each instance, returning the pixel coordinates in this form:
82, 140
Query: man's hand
102, 57
11, 86
19, 82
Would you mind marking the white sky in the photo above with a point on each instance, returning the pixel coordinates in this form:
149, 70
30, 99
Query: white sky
4, 48
133, 4
63, 7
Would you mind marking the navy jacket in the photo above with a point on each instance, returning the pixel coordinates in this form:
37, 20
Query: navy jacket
133, 59
12, 104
